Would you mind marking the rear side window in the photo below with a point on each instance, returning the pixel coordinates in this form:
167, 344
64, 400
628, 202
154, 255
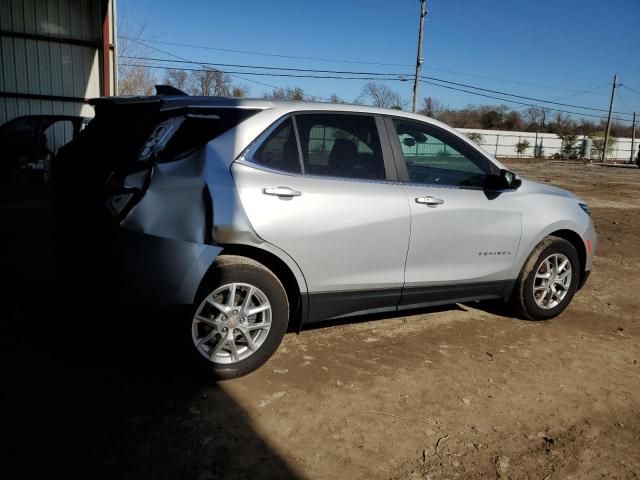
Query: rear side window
198, 129
280, 150
341, 145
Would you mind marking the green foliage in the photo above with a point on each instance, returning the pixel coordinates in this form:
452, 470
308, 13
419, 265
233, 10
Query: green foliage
491, 119
521, 146
568, 148
475, 137
598, 144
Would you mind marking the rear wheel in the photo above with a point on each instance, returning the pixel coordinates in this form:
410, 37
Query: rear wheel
548, 280
241, 317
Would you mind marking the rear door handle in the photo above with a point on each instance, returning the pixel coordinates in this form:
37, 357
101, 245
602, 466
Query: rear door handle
281, 191
429, 200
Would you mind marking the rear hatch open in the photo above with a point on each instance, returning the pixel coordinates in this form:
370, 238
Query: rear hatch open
129, 135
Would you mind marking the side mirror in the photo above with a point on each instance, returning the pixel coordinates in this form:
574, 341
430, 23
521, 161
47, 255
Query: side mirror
506, 179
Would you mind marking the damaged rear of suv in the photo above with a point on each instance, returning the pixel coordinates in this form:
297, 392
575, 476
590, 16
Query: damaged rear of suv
138, 178
134, 205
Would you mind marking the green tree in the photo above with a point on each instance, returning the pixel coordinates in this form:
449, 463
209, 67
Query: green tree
598, 144
475, 137
567, 148
521, 146
491, 119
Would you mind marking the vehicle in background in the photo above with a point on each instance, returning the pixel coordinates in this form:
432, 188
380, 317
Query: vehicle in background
28, 144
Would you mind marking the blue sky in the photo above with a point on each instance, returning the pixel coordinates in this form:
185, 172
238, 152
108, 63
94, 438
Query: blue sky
544, 49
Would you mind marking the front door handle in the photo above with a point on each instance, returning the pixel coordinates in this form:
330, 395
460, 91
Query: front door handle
429, 200
281, 191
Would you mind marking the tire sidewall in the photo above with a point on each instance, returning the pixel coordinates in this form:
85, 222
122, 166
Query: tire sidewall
532, 309
266, 281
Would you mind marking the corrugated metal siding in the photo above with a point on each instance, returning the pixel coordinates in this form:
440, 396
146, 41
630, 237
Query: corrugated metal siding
78, 19
52, 68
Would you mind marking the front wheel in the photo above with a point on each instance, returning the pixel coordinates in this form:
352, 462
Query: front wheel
548, 280
241, 317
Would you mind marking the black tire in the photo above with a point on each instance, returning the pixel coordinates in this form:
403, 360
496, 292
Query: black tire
523, 295
235, 269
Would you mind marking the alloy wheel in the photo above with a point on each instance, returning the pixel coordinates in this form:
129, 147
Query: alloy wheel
552, 281
231, 323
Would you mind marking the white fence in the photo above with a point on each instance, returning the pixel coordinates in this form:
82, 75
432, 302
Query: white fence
501, 143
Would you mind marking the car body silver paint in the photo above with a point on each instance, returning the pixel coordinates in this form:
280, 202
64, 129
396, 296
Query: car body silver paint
447, 240
473, 236
344, 234
174, 207
547, 209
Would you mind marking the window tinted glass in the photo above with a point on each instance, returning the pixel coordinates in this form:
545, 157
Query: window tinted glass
280, 150
345, 146
432, 160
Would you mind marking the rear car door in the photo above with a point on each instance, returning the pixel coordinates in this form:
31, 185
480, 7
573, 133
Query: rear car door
322, 187
464, 238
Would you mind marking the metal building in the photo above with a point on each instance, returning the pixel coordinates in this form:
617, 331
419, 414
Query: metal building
54, 55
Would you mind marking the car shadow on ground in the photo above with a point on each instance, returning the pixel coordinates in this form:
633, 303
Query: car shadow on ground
92, 391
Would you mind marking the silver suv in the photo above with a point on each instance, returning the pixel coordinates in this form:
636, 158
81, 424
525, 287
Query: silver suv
266, 215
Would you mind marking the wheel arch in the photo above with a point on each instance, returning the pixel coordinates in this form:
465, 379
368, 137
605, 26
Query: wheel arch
576, 240
290, 276
561, 231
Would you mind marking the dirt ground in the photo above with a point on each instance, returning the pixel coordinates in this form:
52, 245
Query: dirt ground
465, 391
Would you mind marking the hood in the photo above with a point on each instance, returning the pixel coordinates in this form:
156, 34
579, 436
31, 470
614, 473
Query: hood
534, 187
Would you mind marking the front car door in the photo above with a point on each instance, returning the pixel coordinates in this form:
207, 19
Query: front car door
322, 187
464, 238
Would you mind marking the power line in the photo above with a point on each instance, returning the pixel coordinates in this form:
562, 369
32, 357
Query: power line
429, 81
523, 97
348, 61
371, 76
506, 100
624, 103
233, 75
236, 65
496, 79
277, 55
629, 88
266, 74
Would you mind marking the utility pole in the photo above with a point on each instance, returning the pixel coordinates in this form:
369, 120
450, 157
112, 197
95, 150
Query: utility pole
606, 135
423, 13
633, 137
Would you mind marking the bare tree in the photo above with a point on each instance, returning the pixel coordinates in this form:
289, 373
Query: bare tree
335, 99
177, 78
431, 107
133, 79
240, 91
536, 116
210, 83
381, 96
295, 93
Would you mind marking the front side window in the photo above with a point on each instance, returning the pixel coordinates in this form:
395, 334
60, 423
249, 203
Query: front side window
280, 150
340, 145
431, 158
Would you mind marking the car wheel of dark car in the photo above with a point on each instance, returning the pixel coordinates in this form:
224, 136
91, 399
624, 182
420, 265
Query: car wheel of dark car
240, 318
548, 280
